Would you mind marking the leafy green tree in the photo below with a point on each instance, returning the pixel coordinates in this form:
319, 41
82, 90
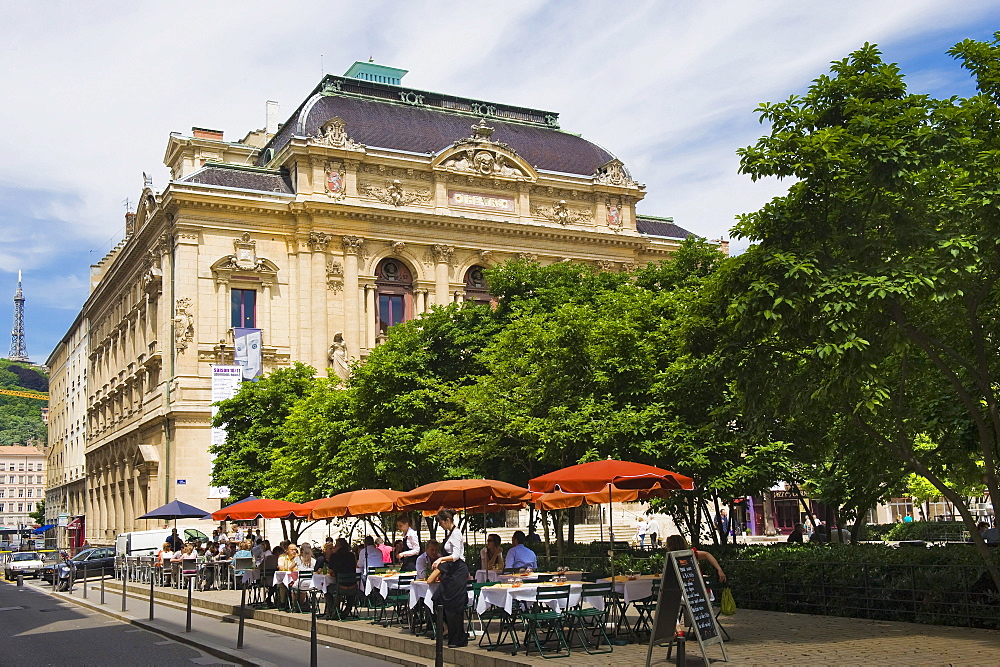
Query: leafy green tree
254, 420
38, 516
874, 278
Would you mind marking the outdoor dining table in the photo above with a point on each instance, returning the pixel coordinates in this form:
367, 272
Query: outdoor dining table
629, 591
382, 583
504, 596
634, 589
496, 575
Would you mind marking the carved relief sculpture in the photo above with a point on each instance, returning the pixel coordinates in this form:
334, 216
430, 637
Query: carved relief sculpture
394, 194
562, 214
183, 324
336, 177
604, 264
442, 253
333, 133
614, 216
318, 241
353, 245
483, 156
614, 173
397, 247
244, 260
485, 256
526, 256
334, 275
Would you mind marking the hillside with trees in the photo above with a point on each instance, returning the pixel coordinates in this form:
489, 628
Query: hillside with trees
21, 418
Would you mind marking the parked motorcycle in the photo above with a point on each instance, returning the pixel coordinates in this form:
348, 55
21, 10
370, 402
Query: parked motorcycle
65, 573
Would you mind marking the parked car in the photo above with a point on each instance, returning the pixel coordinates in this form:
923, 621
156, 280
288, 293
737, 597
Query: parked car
88, 563
28, 563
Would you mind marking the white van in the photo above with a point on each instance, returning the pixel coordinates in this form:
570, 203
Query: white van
148, 542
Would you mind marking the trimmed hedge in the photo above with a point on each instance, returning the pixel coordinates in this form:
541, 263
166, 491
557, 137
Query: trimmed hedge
944, 586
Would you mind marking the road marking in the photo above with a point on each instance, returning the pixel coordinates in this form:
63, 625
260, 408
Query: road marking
164, 643
10, 608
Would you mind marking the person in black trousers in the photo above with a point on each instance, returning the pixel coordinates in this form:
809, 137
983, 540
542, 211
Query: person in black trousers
454, 575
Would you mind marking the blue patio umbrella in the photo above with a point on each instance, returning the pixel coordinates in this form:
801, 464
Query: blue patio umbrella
175, 509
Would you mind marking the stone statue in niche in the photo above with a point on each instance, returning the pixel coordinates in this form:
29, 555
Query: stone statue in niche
337, 356
183, 324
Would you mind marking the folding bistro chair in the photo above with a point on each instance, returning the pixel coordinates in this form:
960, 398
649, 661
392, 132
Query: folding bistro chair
585, 620
398, 600
646, 608
543, 615
302, 583
346, 590
241, 565
188, 571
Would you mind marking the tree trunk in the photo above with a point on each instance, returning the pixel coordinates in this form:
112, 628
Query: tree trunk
802, 501
769, 514
548, 550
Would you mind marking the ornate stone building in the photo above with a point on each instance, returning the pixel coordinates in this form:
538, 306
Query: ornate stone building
372, 203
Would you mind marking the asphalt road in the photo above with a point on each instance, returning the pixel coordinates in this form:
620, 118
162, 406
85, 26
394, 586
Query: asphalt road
39, 629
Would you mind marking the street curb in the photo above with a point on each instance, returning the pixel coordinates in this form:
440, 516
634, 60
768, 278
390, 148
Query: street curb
216, 650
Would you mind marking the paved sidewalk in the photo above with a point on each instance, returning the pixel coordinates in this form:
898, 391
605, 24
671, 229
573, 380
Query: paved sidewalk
266, 649
758, 638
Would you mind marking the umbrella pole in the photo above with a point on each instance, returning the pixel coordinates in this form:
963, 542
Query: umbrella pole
611, 529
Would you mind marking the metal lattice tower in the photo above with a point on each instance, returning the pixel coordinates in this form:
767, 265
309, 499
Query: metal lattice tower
18, 348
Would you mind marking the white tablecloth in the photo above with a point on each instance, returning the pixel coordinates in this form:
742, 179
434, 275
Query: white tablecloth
636, 589
421, 590
504, 596
250, 576
382, 583
495, 575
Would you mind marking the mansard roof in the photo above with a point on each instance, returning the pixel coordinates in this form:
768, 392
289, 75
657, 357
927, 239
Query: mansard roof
243, 178
400, 118
661, 227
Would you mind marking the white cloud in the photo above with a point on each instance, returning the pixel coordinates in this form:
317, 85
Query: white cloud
92, 90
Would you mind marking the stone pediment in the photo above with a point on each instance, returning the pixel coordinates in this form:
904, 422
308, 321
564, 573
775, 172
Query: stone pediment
479, 155
245, 261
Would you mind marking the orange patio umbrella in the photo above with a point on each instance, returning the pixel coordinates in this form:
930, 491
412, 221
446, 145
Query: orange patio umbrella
354, 503
596, 476
261, 508
607, 478
463, 494
557, 500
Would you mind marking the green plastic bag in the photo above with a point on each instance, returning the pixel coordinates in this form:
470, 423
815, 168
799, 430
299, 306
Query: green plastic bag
728, 603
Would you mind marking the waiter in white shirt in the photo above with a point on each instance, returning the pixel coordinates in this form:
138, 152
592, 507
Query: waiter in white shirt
451, 593
411, 545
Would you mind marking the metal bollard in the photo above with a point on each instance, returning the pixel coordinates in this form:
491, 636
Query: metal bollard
187, 627
20, 580
123, 594
151, 598
681, 657
72, 578
243, 613
313, 655
439, 635
84, 582
102, 588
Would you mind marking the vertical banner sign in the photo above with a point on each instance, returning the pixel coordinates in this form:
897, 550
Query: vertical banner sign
225, 383
682, 590
248, 352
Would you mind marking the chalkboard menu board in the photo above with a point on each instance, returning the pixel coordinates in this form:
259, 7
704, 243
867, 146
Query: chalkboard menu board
697, 596
682, 588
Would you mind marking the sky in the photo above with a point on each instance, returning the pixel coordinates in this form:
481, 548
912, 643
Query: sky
91, 91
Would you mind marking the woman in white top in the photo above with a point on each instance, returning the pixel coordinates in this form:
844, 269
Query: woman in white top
304, 562
454, 575
640, 531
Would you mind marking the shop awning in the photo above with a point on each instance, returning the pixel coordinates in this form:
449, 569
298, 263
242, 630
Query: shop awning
42, 529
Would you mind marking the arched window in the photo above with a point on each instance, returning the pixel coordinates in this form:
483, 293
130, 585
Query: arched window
394, 284
476, 289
